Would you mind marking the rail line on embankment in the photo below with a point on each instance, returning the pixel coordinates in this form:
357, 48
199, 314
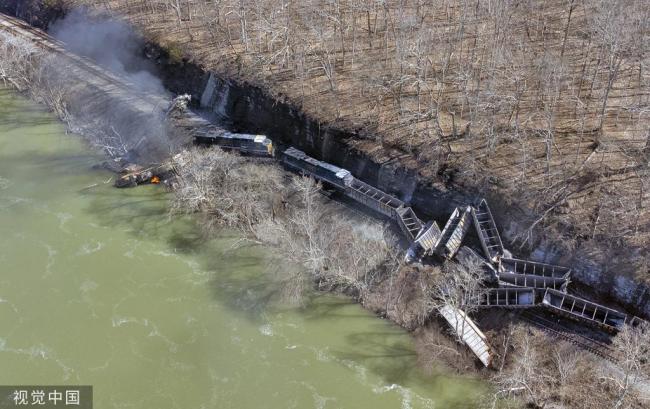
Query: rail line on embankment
46, 42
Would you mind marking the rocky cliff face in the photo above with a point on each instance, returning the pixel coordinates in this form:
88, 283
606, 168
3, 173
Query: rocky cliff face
246, 108
249, 109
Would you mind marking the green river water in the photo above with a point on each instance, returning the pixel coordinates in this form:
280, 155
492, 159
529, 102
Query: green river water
98, 286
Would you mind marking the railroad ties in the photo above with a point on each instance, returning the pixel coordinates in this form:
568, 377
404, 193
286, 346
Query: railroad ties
468, 332
247, 144
523, 284
487, 231
558, 330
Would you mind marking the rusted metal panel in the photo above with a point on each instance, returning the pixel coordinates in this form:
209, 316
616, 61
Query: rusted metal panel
454, 232
584, 310
468, 332
514, 265
507, 297
487, 231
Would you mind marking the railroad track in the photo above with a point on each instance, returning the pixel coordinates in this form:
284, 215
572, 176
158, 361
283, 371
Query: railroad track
597, 348
46, 42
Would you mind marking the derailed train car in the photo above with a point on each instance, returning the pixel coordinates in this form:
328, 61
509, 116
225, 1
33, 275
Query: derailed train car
324, 172
352, 187
510, 279
247, 144
511, 297
586, 311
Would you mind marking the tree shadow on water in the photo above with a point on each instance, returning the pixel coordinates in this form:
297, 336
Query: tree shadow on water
383, 349
17, 112
238, 279
377, 345
142, 213
326, 306
386, 353
240, 282
390, 355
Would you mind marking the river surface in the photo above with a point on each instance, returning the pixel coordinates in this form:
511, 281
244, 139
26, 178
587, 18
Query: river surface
99, 286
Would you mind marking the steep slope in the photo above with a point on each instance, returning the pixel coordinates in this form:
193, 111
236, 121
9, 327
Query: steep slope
542, 105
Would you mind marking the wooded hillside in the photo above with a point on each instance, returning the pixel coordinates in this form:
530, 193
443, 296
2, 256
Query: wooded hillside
546, 103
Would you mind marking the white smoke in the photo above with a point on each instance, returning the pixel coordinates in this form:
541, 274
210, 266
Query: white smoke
111, 43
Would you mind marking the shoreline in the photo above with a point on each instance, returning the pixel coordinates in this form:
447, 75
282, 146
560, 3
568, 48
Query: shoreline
378, 312
251, 109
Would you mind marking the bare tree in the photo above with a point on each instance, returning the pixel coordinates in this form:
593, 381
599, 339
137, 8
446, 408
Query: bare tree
19, 59
525, 376
325, 248
633, 345
228, 189
460, 287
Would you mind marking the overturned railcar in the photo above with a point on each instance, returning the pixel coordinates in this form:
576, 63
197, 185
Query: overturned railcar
454, 232
586, 311
487, 231
324, 172
506, 297
248, 144
517, 266
424, 242
467, 330
510, 279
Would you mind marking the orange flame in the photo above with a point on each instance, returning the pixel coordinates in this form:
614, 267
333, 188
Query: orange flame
155, 180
